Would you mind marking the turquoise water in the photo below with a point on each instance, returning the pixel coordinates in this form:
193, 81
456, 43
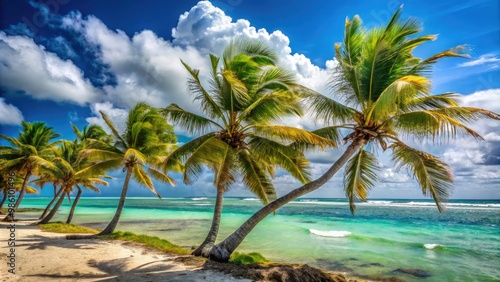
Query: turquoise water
462, 244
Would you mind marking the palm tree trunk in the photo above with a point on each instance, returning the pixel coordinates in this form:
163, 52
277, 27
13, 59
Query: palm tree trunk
48, 217
204, 248
47, 208
75, 202
114, 222
222, 251
4, 197
10, 215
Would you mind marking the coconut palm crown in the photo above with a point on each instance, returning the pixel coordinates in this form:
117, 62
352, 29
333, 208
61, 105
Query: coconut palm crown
139, 151
248, 94
383, 96
69, 173
29, 151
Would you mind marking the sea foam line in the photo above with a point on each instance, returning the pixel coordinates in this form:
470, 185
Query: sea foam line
431, 246
333, 233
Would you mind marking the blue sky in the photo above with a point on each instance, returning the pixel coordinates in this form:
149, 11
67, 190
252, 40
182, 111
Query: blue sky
64, 60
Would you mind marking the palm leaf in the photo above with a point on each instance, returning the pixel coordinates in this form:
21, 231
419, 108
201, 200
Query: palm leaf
143, 179
208, 105
255, 178
359, 176
209, 153
291, 134
224, 171
433, 175
160, 176
328, 110
287, 157
195, 124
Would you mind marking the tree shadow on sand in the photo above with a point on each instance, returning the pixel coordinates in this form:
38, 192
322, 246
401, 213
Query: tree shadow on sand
116, 270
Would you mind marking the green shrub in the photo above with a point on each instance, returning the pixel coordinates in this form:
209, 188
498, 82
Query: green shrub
251, 258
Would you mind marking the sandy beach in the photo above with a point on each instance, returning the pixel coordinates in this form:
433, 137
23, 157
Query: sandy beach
46, 256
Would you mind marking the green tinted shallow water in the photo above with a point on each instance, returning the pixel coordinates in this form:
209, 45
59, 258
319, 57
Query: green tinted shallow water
463, 244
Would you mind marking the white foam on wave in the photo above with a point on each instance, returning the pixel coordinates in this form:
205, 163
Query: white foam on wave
377, 203
202, 204
320, 203
250, 199
199, 199
333, 233
431, 246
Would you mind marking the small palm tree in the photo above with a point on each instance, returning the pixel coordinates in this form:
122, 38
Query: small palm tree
383, 96
16, 184
67, 171
246, 94
31, 150
139, 151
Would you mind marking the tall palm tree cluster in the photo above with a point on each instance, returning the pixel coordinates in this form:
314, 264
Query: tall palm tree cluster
380, 98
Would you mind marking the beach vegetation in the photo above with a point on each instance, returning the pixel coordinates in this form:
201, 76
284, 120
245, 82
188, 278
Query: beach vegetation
68, 171
381, 97
26, 154
149, 241
241, 135
60, 227
247, 258
140, 152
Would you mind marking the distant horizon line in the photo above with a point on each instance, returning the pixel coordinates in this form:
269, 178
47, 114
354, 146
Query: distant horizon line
243, 197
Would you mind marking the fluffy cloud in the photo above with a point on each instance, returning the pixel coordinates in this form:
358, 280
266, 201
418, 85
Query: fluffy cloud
209, 29
26, 66
9, 114
146, 67
116, 115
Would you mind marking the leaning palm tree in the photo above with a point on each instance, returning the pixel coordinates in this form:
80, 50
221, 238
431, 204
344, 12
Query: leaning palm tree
70, 172
139, 151
382, 97
14, 182
29, 151
247, 94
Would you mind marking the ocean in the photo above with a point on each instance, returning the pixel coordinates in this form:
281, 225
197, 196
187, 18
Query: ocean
385, 238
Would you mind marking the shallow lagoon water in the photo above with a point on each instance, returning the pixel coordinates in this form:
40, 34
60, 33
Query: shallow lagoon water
462, 244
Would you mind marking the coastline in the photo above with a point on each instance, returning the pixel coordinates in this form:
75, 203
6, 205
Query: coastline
47, 256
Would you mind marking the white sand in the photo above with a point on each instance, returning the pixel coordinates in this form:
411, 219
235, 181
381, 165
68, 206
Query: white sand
46, 256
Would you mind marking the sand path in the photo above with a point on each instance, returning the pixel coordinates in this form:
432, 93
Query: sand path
45, 256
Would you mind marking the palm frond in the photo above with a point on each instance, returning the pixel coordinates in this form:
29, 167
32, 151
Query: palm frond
272, 106
195, 124
327, 110
433, 175
209, 153
160, 176
209, 106
143, 179
291, 134
224, 170
287, 157
255, 178
397, 95
359, 177
112, 127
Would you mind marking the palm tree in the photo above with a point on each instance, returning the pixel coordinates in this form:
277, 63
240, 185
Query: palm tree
29, 151
17, 185
383, 95
246, 94
69, 171
139, 151
91, 132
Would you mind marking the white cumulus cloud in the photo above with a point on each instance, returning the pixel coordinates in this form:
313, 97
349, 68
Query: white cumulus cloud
28, 67
9, 114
